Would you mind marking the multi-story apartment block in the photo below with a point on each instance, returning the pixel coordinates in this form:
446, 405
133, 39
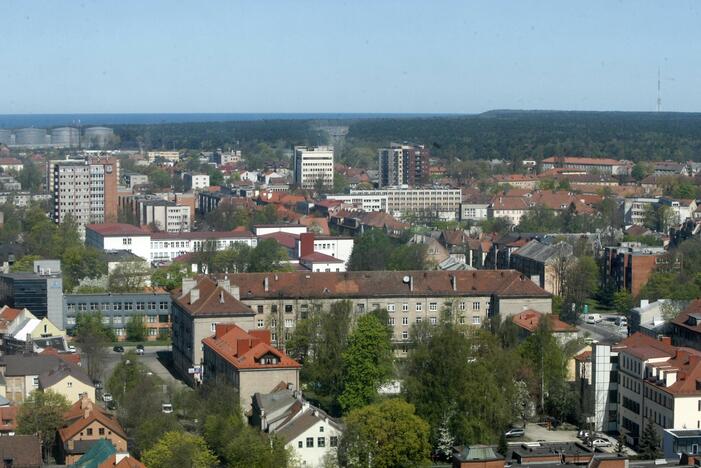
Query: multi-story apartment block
195, 181
312, 165
364, 202
682, 209
657, 383
41, 291
403, 165
429, 202
132, 179
85, 190
589, 165
164, 215
635, 209
630, 265
161, 246
276, 301
221, 158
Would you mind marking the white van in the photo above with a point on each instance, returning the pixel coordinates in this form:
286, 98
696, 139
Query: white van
621, 321
593, 318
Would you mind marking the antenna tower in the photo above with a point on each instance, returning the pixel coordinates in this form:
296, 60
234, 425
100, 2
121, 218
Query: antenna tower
659, 92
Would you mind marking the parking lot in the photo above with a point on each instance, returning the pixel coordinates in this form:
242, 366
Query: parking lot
154, 359
606, 331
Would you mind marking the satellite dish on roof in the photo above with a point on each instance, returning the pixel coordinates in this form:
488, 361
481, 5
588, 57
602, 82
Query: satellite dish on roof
406, 279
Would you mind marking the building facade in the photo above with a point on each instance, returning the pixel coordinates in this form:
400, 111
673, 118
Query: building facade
41, 292
118, 309
403, 165
429, 202
313, 164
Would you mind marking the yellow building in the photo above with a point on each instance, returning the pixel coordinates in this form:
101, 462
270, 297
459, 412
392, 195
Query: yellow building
69, 381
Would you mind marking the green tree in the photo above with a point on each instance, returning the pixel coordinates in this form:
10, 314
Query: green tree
30, 177
171, 276
367, 362
129, 277
498, 225
371, 251
407, 257
25, 264
383, 435
640, 171
579, 282
136, 328
340, 184
92, 337
78, 262
180, 449
649, 445
319, 342
234, 259
159, 178
42, 414
623, 302
268, 255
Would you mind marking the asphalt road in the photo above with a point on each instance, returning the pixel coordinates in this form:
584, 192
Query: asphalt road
153, 358
605, 332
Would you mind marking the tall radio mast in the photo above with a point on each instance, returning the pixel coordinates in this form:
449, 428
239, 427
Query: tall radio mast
659, 92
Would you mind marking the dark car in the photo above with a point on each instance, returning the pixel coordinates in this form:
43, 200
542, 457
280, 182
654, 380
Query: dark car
98, 384
140, 346
111, 405
118, 349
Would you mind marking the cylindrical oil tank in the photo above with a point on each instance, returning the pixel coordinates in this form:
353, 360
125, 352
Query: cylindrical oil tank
97, 137
5, 136
66, 137
30, 136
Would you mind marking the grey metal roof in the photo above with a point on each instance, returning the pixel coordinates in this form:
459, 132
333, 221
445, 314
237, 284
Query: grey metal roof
535, 250
19, 365
47, 379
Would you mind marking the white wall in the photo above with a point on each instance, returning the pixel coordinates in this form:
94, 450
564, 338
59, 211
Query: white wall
292, 229
138, 245
314, 456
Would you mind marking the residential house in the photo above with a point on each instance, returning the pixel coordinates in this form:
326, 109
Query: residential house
68, 380
509, 207
435, 252
682, 209
543, 263
8, 417
246, 360
103, 454
528, 322
21, 451
84, 425
308, 432
630, 265
22, 375
198, 306
686, 326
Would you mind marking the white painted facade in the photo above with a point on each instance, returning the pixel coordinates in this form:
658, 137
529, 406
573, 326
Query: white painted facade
337, 247
312, 164
312, 445
264, 229
137, 244
364, 202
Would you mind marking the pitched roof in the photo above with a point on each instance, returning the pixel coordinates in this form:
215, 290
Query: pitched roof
244, 350
125, 462
8, 418
645, 347
55, 376
582, 160
510, 203
24, 450
202, 235
213, 300
84, 412
318, 257
9, 314
96, 454
536, 250
285, 239
18, 365
116, 229
299, 284
530, 320
690, 317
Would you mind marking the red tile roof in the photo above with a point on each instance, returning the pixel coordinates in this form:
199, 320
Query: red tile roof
116, 229
213, 300
9, 314
202, 235
245, 350
71, 358
285, 239
503, 283
318, 257
84, 412
8, 418
10, 162
690, 317
530, 320
126, 462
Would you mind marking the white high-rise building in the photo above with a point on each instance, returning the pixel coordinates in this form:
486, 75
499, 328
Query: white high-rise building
312, 165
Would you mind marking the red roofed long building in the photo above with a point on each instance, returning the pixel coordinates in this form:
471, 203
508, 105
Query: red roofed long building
589, 165
248, 361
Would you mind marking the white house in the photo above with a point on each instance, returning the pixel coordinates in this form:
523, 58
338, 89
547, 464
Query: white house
119, 236
308, 431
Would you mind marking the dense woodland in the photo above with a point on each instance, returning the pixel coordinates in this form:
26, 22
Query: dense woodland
510, 135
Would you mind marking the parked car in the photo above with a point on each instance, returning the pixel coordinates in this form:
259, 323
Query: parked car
140, 346
600, 443
593, 318
111, 405
514, 432
118, 349
167, 408
622, 322
98, 384
107, 397
72, 349
583, 434
140, 351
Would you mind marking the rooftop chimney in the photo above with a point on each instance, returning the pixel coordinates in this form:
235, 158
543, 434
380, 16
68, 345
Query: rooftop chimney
194, 295
225, 284
236, 292
266, 284
454, 282
188, 284
306, 243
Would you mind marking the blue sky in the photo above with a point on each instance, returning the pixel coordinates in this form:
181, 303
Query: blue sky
354, 56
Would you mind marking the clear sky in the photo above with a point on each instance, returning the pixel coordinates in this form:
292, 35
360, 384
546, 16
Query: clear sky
353, 56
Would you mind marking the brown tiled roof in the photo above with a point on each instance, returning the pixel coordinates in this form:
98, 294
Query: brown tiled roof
116, 229
645, 347
214, 300
530, 320
202, 235
310, 221
285, 239
244, 350
75, 419
8, 418
126, 462
9, 314
683, 318
380, 219
71, 358
583, 356
318, 257
510, 203
24, 450
503, 283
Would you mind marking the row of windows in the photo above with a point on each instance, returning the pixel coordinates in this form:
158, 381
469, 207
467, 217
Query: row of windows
360, 307
107, 306
320, 442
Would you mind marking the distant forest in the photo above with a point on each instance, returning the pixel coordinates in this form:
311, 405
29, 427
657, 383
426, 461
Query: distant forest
510, 135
